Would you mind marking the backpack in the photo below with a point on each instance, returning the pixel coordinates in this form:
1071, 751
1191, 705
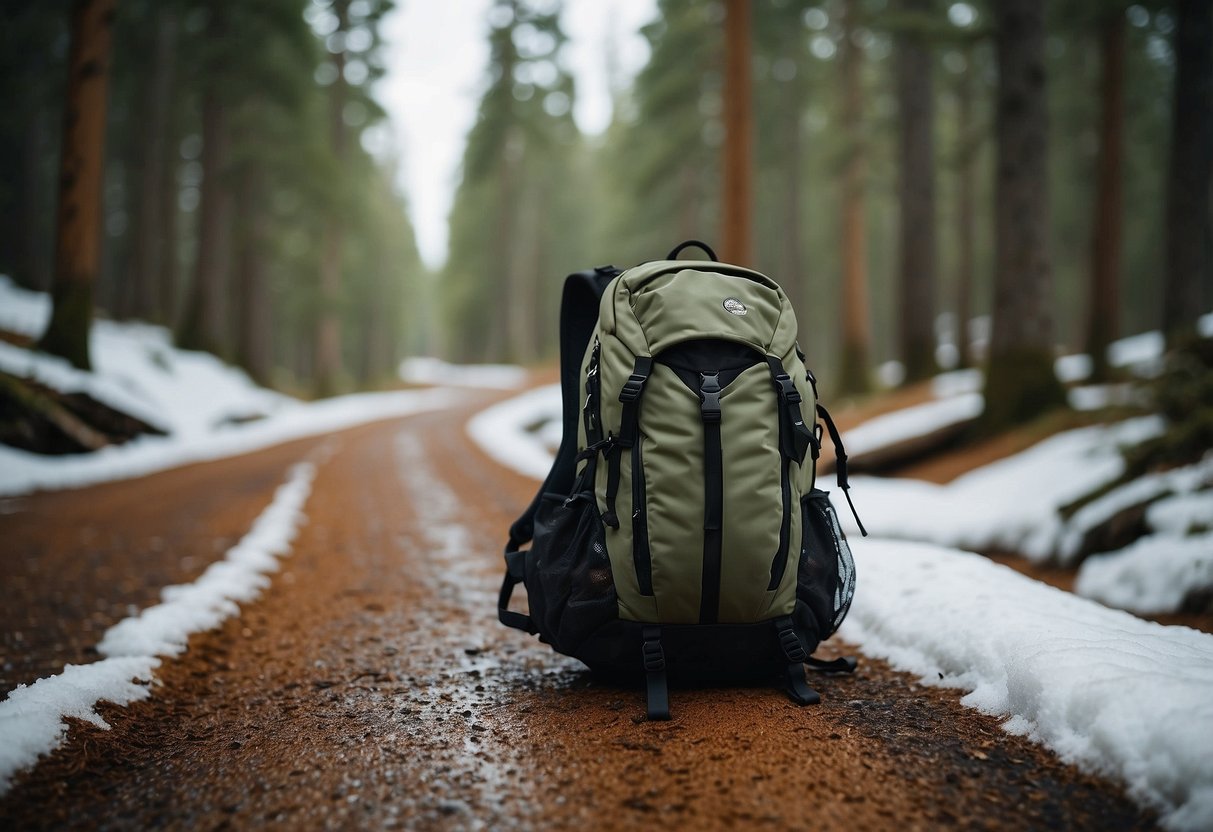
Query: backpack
680, 531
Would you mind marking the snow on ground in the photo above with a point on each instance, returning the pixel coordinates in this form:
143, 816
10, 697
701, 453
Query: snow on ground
209, 409
918, 420
1122, 697
423, 370
1116, 695
32, 718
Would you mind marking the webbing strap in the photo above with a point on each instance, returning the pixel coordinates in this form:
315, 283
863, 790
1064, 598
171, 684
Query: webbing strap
657, 692
515, 573
793, 652
629, 430
796, 439
713, 498
840, 464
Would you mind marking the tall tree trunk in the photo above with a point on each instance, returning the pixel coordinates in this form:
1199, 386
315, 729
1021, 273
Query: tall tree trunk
78, 224
30, 232
328, 334
1020, 382
792, 273
1103, 304
253, 340
155, 123
1189, 247
738, 201
966, 207
916, 164
854, 377
206, 311
167, 267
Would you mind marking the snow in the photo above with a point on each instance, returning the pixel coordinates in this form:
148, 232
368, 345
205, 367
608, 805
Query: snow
209, 410
909, 422
505, 431
424, 370
32, 718
22, 472
1122, 697
1116, 695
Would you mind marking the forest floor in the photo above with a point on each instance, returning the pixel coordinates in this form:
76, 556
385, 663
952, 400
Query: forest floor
371, 685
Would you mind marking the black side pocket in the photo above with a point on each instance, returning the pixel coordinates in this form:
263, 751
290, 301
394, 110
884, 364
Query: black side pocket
569, 585
826, 577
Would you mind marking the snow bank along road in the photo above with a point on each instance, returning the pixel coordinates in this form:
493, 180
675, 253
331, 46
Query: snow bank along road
370, 686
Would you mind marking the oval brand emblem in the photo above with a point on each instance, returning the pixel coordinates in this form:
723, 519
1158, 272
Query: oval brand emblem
734, 306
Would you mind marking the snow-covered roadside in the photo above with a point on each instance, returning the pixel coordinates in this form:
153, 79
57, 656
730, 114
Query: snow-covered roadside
1116, 695
32, 718
426, 370
208, 409
22, 472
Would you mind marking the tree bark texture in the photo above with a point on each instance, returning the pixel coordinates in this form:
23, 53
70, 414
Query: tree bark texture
854, 377
738, 199
966, 207
1189, 260
1020, 382
329, 366
916, 164
1103, 303
204, 326
81, 168
156, 129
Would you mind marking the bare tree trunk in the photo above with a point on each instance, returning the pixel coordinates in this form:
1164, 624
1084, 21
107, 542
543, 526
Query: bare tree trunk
328, 333
792, 273
916, 164
966, 208
149, 233
167, 268
854, 377
204, 326
29, 225
253, 344
1189, 245
738, 202
1020, 383
78, 225
1103, 305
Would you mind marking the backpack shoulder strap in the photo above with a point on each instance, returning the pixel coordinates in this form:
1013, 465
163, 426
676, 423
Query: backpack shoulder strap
578, 317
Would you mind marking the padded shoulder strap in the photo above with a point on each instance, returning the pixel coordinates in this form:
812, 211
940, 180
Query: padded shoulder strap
578, 316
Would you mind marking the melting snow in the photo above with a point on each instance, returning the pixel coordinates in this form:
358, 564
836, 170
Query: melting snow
32, 717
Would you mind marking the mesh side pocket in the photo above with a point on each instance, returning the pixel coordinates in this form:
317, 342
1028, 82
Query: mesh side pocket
569, 584
826, 577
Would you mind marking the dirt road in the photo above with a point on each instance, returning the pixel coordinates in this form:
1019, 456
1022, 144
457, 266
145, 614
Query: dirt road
371, 687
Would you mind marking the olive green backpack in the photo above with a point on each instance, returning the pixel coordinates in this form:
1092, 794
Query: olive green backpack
680, 531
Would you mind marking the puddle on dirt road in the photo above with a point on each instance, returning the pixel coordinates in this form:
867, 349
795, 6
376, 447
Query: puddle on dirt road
466, 701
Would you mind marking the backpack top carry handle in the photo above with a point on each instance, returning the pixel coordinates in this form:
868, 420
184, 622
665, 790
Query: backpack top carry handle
673, 255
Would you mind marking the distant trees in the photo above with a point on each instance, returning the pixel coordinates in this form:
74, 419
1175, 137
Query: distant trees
78, 222
916, 193
1189, 247
737, 206
1020, 380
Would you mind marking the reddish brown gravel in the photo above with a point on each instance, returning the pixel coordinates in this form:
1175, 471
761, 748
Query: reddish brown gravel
371, 687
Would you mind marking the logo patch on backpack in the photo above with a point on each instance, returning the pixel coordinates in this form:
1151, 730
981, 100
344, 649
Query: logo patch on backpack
734, 306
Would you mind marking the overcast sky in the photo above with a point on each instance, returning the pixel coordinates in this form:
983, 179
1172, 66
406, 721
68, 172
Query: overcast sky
437, 54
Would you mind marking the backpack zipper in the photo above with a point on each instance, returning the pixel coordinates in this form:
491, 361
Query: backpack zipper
713, 497
641, 557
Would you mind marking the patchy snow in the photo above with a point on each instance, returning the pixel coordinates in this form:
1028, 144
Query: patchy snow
1116, 695
907, 423
1154, 574
506, 431
32, 718
1010, 505
209, 409
423, 370
22, 472
22, 311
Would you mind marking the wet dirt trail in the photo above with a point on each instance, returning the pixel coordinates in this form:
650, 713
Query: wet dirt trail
371, 687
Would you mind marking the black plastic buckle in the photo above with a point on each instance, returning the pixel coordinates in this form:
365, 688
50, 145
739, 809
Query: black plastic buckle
632, 388
709, 391
786, 389
654, 655
791, 645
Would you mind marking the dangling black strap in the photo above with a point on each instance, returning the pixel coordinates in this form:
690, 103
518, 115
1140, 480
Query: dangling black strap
657, 692
793, 651
515, 572
840, 465
796, 438
843, 664
591, 413
629, 429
